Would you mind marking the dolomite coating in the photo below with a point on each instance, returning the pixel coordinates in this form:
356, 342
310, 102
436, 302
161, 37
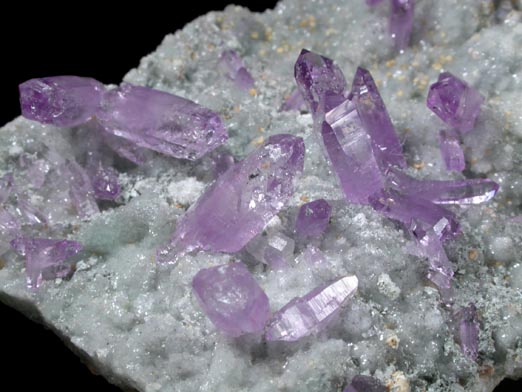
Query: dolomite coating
139, 324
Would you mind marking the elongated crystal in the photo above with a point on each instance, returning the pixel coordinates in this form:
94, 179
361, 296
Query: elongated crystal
273, 249
295, 101
451, 151
45, 258
232, 299
232, 65
320, 82
81, 190
313, 218
161, 122
440, 271
64, 101
401, 22
311, 313
468, 191
374, 117
468, 330
239, 204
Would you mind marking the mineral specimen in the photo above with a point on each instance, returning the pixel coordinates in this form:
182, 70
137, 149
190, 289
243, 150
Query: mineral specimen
273, 249
312, 312
455, 102
161, 122
365, 384
468, 330
294, 101
451, 151
232, 299
45, 258
312, 219
63, 101
401, 21
233, 67
236, 208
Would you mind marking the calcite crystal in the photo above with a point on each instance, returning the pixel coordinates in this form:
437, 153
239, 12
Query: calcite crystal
232, 299
140, 323
312, 312
455, 102
240, 203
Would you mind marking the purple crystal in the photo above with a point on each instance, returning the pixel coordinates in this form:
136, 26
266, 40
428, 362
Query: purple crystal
468, 330
232, 65
295, 101
414, 212
365, 384
64, 101
348, 147
81, 190
311, 313
28, 213
313, 218
239, 204
401, 22
6, 187
126, 149
451, 151
374, 117
320, 82
45, 258
104, 181
221, 162
468, 191
313, 256
161, 122
440, 271
273, 249
232, 299
455, 102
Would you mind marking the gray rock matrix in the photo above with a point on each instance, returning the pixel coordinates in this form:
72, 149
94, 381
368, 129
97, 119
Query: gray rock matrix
139, 324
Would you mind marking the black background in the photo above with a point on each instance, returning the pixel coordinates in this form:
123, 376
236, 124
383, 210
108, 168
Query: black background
89, 40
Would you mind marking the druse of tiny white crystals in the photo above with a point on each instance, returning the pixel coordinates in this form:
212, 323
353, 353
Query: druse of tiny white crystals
139, 323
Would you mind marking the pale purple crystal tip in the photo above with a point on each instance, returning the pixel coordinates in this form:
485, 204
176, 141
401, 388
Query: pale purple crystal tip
455, 102
45, 258
451, 151
468, 330
232, 65
232, 299
313, 218
161, 121
401, 22
311, 313
63, 101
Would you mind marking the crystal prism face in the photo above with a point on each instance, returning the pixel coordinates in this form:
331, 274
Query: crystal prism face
273, 249
295, 101
440, 271
459, 192
232, 299
376, 121
451, 151
468, 331
365, 384
161, 122
415, 213
313, 218
455, 102
320, 82
81, 191
239, 204
104, 182
232, 65
64, 101
311, 313
348, 147
401, 22
45, 258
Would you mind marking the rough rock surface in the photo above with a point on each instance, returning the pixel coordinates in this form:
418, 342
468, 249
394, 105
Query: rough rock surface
139, 323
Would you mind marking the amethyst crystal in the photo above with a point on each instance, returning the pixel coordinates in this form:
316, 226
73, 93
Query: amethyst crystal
125, 148
64, 101
295, 101
239, 204
374, 117
430, 246
104, 181
232, 299
45, 258
221, 162
455, 102
233, 67
451, 152
311, 313
81, 190
468, 191
273, 249
160, 121
28, 214
365, 384
320, 82
415, 213
348, 147
401, 22
468, 330
313, 218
